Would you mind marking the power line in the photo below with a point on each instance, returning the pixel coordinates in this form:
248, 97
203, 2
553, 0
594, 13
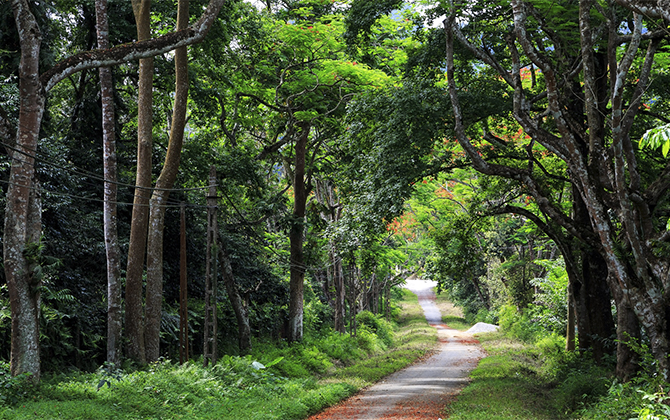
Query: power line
87, 174
173, 203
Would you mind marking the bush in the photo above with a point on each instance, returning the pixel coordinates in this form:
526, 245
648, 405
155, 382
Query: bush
317, 315
519, 325
342, 347
378, 325
484, 315
14, 389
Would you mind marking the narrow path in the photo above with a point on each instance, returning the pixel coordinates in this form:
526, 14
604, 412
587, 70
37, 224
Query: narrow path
422, 390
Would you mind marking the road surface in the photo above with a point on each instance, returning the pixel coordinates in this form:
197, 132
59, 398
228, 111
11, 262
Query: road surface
422, 390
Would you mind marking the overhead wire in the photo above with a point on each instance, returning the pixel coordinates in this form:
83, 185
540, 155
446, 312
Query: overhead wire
39, 156
89, 174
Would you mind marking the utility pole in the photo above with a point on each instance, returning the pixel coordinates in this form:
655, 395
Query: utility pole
183, 292
210, 351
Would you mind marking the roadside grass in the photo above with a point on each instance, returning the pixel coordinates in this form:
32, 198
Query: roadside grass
520, 381
451, 314
280, 381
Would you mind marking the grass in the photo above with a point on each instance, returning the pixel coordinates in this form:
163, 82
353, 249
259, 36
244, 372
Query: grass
299, 379
451, 315
505, 386
520, 381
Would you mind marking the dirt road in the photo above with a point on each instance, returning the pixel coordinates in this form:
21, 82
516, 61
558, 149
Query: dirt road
422, 390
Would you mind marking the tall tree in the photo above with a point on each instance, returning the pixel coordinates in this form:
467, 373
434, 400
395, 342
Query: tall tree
22, 222
586, 125
114, 314
140, 218
295, 306
154, 293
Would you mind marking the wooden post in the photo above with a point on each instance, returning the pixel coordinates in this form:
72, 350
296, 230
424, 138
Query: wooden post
209, 345
183, 292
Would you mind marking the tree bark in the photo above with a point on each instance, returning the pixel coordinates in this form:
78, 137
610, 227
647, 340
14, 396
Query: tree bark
239, 307
22, 214
327, 197
140, 216
154, 293
340, 293
297, 269
114, 314
570, 333
595, 324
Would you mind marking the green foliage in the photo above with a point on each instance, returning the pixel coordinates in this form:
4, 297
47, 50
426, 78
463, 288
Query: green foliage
363, 15
657, 137
378, 325
253, 387
14, 389
518, 325
549, 308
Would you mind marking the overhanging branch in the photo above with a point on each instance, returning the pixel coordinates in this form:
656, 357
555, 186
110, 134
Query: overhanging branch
134, 51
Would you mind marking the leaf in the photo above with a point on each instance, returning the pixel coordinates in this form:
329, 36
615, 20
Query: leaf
655, 137
257, 365
274, 362
102, 383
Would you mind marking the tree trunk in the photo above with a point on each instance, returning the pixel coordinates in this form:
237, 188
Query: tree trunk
154, 294
327, 197
340, 293
594, 314
295, 311
114, 315
628, 328
240, 309
570, 333
595, 324
22, 227
140, 215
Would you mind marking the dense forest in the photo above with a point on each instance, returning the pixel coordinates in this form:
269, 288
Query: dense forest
188, 180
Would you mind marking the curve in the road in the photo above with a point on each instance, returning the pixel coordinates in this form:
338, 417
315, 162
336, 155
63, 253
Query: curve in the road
420, 391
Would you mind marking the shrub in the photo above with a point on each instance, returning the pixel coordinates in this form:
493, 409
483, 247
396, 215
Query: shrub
518, 325
378, 325
342, 347
14, 389
368, 341
317, 315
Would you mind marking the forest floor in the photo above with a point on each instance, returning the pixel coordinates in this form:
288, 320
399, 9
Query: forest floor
422, 390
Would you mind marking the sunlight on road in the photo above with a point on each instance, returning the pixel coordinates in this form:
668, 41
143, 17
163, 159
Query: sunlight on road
424, 290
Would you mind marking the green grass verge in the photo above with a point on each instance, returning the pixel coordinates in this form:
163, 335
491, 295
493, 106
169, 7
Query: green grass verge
299, 379
519, 381
452, 316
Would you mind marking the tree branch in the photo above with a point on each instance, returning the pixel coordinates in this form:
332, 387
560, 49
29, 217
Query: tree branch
134, 51
650, 8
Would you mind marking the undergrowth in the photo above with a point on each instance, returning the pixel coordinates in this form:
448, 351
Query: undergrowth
528, 381
277, 381
530, 376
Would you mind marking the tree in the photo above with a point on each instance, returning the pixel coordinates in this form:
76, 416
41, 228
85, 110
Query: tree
573, 122
114, 314
139, 224
22, 223
165, 181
